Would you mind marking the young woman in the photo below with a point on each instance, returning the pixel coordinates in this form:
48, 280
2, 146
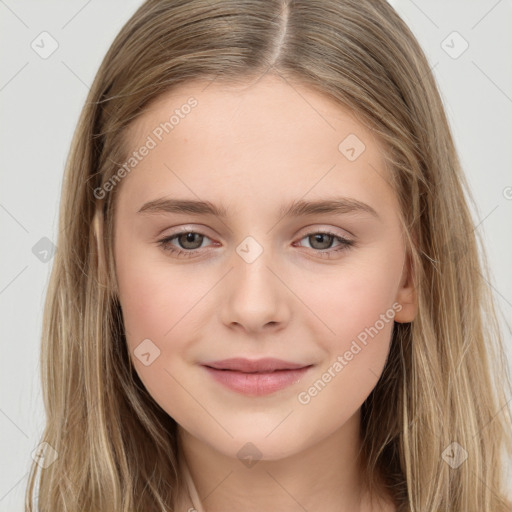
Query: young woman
267, 293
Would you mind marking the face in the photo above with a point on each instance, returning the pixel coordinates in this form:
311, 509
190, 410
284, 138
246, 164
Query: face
221, 253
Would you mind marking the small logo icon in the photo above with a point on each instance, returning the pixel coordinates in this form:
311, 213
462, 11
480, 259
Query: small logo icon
351, 147
249, 455
44, 249
249, 250
454, 45
44, 455
454, 455
44, 45
146, 352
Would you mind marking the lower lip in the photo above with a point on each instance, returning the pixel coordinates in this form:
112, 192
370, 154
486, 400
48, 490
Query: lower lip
257, 384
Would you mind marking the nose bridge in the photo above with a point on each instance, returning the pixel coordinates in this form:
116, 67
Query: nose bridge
252, 278
254, 296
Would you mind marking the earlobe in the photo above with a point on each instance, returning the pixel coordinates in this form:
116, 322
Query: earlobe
406, 295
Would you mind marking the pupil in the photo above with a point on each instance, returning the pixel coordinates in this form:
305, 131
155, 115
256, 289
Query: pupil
321, 236
189, 238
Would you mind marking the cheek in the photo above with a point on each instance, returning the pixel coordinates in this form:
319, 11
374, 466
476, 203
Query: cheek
162, 303
359, 310
153, 295
154, 303
355, 306
354, 297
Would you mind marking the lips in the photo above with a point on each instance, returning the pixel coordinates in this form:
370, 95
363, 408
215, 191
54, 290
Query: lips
256, 377
264, 365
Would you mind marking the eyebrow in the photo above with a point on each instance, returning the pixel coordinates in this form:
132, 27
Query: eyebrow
338, 205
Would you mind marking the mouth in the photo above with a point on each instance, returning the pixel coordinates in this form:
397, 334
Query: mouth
256, 377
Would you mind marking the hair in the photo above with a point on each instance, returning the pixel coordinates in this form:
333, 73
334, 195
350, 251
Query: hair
446, 377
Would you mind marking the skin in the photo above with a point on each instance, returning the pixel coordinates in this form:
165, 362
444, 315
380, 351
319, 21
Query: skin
254, 148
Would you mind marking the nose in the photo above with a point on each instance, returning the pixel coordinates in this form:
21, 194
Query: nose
254, 298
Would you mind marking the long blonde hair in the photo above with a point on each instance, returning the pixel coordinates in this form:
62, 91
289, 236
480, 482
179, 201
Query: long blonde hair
446, 377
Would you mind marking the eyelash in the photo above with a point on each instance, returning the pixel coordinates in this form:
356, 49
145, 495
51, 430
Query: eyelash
165, 244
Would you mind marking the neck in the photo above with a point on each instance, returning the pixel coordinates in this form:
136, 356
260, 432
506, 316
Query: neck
322, 477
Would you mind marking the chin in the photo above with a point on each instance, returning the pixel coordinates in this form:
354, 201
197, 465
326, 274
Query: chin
258, 447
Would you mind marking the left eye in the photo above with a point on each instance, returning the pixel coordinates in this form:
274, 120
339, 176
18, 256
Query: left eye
191, 241
325, 240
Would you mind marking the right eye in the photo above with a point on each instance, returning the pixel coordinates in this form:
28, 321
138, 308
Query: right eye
190, 242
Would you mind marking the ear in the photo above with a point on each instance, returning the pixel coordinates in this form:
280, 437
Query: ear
406, 294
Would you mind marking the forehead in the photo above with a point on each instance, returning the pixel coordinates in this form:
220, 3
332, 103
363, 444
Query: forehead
256, 137
252, 112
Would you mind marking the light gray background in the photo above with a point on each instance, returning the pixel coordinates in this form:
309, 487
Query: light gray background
40, 100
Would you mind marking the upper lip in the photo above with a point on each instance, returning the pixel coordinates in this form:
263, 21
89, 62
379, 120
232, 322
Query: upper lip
267, 364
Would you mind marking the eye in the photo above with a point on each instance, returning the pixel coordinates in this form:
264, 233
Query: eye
322, 240
189, 243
